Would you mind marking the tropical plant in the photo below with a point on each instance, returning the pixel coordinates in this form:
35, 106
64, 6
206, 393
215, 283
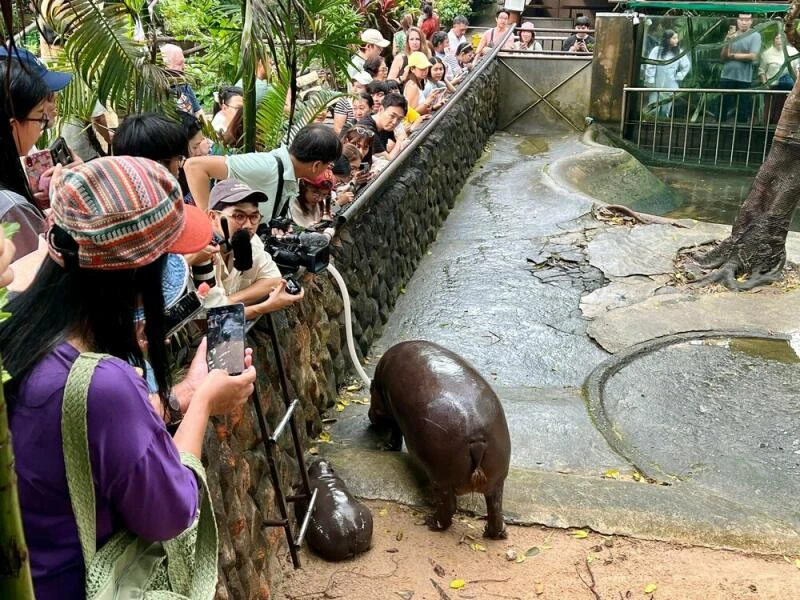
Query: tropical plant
450, 9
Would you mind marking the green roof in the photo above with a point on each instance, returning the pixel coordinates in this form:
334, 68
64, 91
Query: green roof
729, 7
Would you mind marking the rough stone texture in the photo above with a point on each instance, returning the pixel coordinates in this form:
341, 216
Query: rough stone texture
377, 251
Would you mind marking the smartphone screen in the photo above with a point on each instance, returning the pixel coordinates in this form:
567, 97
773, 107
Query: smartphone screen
226, 338
36, 164
182, 311
60, 152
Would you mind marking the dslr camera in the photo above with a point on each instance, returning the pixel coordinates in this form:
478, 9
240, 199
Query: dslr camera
293, 251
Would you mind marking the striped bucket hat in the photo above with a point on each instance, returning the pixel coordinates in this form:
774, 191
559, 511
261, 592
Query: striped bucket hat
125, 212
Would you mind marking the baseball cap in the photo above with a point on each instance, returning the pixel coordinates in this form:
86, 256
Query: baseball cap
231, 191
54, 80
124, 212
361, 77
418, 60
373, 36
174, 281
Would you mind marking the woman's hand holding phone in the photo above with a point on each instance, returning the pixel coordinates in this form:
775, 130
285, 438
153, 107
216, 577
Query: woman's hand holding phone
225, 393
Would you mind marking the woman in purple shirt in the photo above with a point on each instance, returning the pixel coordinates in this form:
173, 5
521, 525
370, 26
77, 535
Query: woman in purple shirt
115, 218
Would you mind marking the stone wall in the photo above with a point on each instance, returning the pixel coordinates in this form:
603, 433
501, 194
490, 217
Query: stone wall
376, 251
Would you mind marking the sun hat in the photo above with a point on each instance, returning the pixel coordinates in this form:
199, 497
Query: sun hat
418, 60
373, 36
231, 191
325, 180
54, 80
124, 212
527, 26
361, 77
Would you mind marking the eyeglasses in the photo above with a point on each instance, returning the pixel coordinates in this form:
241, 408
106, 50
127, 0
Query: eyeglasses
363, 131
44, 121
241, 218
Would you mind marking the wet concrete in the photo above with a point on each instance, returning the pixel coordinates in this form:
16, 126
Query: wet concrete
524, 282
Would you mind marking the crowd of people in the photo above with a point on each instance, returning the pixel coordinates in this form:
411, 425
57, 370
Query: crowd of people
102, 230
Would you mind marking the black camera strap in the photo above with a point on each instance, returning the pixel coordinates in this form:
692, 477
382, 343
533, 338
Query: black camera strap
279, 206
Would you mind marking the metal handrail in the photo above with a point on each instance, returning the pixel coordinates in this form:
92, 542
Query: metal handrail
706, 90
395, 164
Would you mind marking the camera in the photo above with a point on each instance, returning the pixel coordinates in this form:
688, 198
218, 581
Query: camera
293, 251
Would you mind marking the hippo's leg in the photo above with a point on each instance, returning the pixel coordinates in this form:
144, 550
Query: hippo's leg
395, 441
445, 504
495, 527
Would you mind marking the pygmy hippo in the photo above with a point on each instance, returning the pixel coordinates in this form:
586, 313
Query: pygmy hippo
341, 526
452, 422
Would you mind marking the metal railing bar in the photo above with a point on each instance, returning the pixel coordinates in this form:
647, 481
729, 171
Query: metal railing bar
702, 127
706, 90
655, 123
686, 128
766, 134
641, 118
671, 125
624, 113
735, 124
750, 132
719, 132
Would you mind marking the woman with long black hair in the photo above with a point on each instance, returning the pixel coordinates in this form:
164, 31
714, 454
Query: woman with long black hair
114, 220
23, 118
668, 72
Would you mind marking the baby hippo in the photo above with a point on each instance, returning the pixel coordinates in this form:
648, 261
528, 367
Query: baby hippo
452, 422
341, 526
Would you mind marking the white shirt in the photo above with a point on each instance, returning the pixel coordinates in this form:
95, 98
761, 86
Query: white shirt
230, 281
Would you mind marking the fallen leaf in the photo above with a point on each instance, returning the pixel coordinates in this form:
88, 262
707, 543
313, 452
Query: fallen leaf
405, 594
383, 512
650, 588
339, 406
477, 547
402, 290
313, 451
399, 536
637, 476
581, 534
797, 562
392, 550
325, 437
533, 551
457, 584
437, 568
520, 559
539, 588
611, 474
354, 388
360, 400
444, 325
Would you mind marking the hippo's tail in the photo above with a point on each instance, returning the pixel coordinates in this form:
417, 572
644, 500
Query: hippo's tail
477, 479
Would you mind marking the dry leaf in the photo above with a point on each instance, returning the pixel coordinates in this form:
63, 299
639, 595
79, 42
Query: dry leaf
383, 512
539, 588
477, 547
313, 451
354, 388
457, 584
339, 406
797, 562
360, 400
399, 536
650, 588
405, 594
581, 534
611, 474
520, 559
325, 437
637, 476
437, 568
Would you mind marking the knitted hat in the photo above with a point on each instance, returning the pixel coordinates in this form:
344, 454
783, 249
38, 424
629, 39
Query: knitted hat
125, 212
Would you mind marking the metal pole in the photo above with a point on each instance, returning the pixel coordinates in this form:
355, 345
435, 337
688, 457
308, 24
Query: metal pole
686, 128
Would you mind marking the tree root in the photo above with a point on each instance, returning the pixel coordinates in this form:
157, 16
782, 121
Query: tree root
637, 217
726, 275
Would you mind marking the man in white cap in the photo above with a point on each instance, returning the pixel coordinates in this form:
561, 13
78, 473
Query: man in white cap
373, 44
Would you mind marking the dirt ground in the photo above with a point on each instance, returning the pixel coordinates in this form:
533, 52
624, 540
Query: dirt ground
409, 562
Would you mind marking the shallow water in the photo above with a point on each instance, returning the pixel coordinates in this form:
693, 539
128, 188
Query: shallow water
708, 196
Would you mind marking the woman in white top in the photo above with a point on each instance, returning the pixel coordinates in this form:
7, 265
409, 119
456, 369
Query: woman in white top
776, 71
527, 38
671, 70
230, 99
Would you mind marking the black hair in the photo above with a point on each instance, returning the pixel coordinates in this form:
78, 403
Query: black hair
502, 10
665, 45
95, 305
22, 91
225, 94
582, 20
316, 143
437, 38
366, 98
435, 60
390, 100
191, 124
375, 87
463, 47
373, 65
427, 10
342, 167
392, 86
150, 135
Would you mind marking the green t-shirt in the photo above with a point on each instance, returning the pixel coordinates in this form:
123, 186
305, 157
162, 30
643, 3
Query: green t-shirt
259, 170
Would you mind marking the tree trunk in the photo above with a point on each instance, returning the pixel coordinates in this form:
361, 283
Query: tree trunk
755, 252
15, 572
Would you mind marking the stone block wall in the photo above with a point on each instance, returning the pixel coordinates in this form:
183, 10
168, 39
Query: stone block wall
377, 251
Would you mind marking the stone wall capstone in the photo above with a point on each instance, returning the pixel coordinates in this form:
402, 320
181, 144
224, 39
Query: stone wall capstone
377, 251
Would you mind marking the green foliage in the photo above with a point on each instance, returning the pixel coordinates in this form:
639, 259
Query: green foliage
450, 9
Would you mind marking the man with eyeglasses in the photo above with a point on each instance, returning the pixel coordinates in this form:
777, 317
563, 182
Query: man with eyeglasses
384, 124
234, 217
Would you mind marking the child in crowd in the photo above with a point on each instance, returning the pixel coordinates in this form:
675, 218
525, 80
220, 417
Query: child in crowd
313, 203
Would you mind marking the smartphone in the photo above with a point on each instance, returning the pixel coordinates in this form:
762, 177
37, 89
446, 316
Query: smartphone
226, 338
181, 312
60, 152
364, 166
36, 164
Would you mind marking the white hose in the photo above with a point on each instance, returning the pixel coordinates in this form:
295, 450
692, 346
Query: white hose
348, 325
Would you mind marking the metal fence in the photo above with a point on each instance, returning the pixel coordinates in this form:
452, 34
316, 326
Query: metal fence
702, 125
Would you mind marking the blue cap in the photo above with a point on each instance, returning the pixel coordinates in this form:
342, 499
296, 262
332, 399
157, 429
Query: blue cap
174, 280
54, 80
